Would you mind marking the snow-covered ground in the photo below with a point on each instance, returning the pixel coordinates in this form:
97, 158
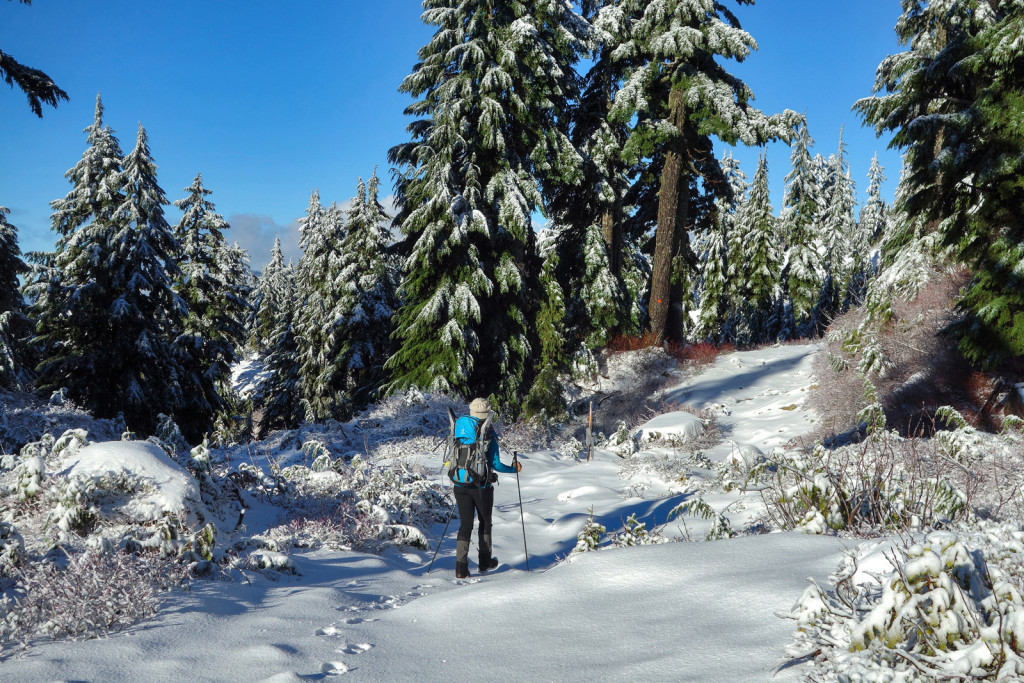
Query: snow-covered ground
701, 611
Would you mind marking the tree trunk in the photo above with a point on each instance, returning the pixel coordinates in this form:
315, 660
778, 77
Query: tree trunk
673, 206
611, 231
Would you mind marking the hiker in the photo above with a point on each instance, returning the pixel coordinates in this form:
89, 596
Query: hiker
476, 493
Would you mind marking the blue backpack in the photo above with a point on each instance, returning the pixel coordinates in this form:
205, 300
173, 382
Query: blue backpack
469, 464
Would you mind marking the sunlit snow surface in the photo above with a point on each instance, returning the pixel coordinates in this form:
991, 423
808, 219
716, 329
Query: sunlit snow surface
681, 611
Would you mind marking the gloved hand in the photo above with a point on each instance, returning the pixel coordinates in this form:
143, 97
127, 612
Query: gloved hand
518, 465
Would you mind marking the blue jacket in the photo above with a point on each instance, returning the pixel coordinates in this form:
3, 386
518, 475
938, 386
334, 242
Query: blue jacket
492, 449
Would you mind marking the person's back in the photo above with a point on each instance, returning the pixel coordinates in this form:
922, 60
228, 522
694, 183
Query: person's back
473, 469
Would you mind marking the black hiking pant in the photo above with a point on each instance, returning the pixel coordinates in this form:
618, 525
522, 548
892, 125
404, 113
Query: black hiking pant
479, 501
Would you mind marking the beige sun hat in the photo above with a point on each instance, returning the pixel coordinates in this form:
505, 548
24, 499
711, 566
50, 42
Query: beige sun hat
479, 408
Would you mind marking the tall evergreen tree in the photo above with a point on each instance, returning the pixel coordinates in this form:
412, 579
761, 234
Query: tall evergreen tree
545, 397
720, 264
874, 215
281, 392
110, 323
681, 96
317, 322
838, 228
596, 204
368, 278
269, 296
15, 328
216, 301
494, 85
67, 298
953, 103
804, 269
760, 270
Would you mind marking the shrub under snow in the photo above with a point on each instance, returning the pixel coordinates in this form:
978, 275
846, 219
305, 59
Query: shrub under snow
950, 607
93, 595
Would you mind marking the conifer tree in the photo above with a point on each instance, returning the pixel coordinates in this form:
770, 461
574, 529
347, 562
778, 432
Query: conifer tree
110, 322
493, 89
760, 269
597, 203
545, 397
965, 157
681, 96
269, 296
15, 328
804, 269
67, 299
838, 228
317, 322
874, 215
368, 279
720, 267
215, 294
280, 395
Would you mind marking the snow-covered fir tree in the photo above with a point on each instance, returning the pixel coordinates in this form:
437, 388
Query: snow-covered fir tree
15, 328
965, 158
108, 322
213, 286
874, 215
545, 398
271, 294
317, 321
838, 229
493, 87
758, 269
720, 264
280, 394
680, 95
804, 268
593, 275
368, 278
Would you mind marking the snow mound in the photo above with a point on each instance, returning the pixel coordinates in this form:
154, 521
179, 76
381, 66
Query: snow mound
674, 425
167, 488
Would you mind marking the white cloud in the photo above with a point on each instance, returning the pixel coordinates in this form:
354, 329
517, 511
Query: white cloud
256, 234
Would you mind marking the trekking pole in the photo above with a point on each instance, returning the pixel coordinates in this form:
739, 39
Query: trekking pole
451, 513
522, 519
590, 430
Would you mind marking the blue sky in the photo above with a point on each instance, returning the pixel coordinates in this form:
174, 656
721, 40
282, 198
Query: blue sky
269, 100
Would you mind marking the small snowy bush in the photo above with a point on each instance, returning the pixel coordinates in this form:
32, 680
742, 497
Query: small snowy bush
886, 482
589, 537
721, 527
635, 532
943, 611
12, 549
94, 595
622, 442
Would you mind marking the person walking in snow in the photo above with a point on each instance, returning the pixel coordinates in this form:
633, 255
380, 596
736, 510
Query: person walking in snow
473, 471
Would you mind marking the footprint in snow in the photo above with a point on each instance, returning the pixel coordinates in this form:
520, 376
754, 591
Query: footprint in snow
358, 620
355, 648
334, 668
329, 631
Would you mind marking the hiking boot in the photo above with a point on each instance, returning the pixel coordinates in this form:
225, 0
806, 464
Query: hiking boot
488, 564
462, 570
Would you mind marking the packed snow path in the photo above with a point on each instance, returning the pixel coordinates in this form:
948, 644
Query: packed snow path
680, 611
